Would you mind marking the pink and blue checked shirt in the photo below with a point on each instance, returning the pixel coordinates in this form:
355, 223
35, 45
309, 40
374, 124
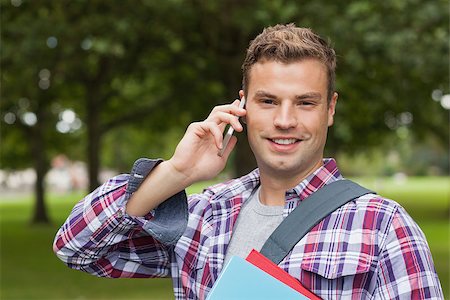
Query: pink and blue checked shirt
369, 248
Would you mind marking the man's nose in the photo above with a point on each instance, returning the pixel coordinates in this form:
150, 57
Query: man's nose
285, 117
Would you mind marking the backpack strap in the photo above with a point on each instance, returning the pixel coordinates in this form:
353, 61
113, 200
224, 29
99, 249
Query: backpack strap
308, 214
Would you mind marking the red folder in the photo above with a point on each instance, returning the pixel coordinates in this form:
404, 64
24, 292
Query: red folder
268, 266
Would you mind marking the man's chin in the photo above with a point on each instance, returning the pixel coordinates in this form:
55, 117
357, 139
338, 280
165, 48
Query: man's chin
288, 168
281, 168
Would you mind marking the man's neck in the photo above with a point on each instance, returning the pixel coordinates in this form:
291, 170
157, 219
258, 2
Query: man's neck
274, 186
271, 196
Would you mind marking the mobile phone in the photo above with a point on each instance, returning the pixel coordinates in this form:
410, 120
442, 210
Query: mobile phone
230, 131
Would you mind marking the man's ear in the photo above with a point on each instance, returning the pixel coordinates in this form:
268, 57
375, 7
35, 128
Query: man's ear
332, 109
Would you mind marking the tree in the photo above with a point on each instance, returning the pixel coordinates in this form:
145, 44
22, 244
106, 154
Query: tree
70, 55
141, 64
27, 100
392, 56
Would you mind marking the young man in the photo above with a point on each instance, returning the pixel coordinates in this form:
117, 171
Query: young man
143, 225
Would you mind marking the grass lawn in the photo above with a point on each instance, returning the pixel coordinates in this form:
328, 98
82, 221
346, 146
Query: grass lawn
30, 270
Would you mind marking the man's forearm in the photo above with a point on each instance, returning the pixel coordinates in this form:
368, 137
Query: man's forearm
163, 182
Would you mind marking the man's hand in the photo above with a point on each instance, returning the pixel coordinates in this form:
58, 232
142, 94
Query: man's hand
196, 156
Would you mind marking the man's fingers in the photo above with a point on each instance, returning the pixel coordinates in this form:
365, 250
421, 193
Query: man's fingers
216, 122
230, 109
213, 129
223, 118
227, 114
226, 107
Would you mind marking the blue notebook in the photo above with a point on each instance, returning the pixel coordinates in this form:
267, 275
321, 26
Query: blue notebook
240, 279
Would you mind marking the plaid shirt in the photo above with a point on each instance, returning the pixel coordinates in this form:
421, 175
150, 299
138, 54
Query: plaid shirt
370, 248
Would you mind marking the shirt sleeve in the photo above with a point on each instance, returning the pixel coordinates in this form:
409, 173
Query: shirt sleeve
406, 269
99, 237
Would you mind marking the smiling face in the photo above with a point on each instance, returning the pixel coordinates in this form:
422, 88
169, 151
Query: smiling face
288, 116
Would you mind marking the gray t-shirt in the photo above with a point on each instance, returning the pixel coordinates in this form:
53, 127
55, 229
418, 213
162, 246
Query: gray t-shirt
254, 225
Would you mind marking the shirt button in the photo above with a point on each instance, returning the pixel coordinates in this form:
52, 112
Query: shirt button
119, 213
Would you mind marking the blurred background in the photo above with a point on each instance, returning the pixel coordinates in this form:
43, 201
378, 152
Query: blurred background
87, 87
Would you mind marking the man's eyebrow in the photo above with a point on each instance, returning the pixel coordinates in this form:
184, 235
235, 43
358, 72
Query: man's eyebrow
311, 95
264, 94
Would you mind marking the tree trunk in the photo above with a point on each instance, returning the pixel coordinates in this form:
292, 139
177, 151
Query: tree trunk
93, 146
40, 214
36, 134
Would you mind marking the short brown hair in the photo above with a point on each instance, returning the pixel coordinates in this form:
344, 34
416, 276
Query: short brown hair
288, 43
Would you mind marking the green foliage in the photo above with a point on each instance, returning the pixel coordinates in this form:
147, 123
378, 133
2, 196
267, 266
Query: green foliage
393, 55
163, 64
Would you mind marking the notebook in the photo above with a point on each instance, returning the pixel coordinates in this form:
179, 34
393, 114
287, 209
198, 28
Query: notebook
240, 279
273, 269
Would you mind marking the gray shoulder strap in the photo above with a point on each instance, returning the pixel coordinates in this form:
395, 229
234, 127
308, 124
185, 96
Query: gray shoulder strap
308, 214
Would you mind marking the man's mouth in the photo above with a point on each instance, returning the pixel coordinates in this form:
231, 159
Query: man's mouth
285, 141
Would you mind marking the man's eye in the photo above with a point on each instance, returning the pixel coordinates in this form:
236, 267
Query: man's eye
267, 101
306, 103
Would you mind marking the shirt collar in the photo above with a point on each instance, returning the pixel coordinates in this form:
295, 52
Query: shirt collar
326, 174
242, 187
